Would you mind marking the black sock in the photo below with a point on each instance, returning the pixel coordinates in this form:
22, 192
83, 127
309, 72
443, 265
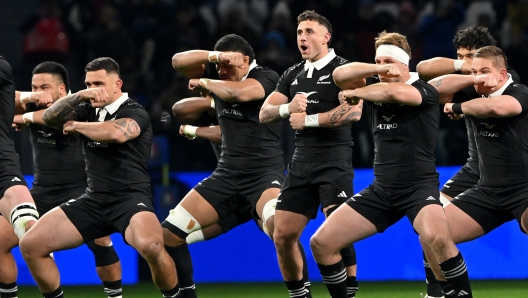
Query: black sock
296, 289
8, 290
174, 293
306, 277
433, 287
55, 294
447, 289
184, 268
113, 288
335, 279
455, 272
352, 286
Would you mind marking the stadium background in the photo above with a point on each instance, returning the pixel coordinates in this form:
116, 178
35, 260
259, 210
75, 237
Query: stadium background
142, 35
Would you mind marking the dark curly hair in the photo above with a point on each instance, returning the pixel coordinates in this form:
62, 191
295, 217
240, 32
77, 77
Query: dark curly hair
474, 37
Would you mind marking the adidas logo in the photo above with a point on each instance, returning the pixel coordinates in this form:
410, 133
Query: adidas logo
15, 179
294, 82
342, 195
430, 198
462, 293
276, 182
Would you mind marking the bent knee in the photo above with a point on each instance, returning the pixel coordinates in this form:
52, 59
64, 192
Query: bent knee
285, 237
436, 240
149, 247
31, 246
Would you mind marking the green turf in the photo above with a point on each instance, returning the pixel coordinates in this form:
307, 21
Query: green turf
484, 289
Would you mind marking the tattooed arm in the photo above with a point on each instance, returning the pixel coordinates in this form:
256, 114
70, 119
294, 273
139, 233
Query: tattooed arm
63, 110
116, 131
269, 112
341, 115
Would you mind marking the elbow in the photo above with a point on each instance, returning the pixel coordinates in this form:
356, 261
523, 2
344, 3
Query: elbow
117, 137
177, 111
339, 76
176, 59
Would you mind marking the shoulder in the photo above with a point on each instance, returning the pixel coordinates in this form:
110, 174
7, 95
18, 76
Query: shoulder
260, 71
294, 69
516, 89
428, 89
338, 61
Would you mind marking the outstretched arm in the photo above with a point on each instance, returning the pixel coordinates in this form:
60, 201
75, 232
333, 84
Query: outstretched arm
63, 110
115, 131
484, 107
357, 72
439, 66
189, 110
192, 63
246, 90
211, 133
384, 93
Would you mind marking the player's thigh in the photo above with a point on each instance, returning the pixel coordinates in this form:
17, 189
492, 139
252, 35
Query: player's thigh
8, 237
52, 232
144, 232
343, 227
462, 227
200, 208
289, 225
267, 196
524, 220
13, 196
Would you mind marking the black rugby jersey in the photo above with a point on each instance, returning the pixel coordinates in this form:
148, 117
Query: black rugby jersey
318, 143
405, 137
247, 143
117, 169
9, 161
470, 93
503, 143
57, 158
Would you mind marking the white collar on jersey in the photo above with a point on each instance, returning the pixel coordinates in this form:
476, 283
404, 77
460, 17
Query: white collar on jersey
251, 66
319, 63
501, 90
414, 77
111, 108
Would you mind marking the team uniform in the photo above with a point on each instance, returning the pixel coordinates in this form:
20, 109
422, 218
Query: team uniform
502, 191
469, 175
10, 171
118, 181
320, 172
58, 164
405, 138
243, 213
251, 159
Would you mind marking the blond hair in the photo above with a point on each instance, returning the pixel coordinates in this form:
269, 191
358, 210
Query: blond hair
395, 39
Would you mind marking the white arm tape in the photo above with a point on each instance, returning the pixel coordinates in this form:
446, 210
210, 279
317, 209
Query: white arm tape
25, 97
212, 103
458, 64
190, 131
28, 117
214, 56
311, 120
283, 110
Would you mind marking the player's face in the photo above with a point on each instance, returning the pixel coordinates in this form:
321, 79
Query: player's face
312, 40
382, 60
50, 83
232, 73
485, 66
102, 79
465, 54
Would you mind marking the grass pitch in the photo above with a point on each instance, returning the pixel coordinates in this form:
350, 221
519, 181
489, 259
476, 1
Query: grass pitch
401, 289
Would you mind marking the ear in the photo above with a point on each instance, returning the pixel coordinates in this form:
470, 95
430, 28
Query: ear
327, 37
503, 75
246, 60
118, 85
62, 90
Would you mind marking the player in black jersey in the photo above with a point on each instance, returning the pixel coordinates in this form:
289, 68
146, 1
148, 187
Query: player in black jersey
16, 205
404, 118
467, 42
59, 163
321, 169
116, 138
499, 120
251, 168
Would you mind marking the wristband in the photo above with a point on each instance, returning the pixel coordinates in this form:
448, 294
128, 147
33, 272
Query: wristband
311, 120
25, 97
212, 103
457, 108
283, 110
190, 132
458, 64
28, 117
214, 56
203, 83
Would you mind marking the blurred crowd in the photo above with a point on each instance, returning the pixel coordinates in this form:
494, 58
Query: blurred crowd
142, 36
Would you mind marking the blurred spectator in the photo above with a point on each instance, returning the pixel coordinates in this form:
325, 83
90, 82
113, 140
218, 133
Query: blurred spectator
438, 28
